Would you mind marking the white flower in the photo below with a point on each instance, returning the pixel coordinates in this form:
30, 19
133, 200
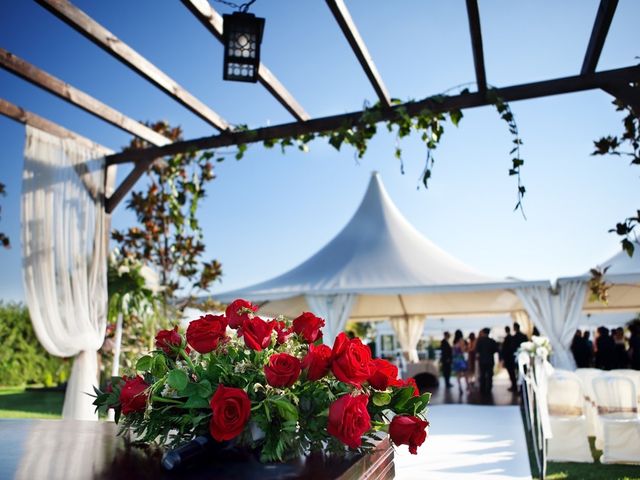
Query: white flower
168, 392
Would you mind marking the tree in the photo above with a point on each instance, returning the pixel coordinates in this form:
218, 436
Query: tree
168, 235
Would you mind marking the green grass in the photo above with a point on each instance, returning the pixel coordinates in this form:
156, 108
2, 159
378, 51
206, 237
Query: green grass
581, 471
17, 402
592, 471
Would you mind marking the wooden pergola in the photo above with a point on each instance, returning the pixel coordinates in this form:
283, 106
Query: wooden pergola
616, 82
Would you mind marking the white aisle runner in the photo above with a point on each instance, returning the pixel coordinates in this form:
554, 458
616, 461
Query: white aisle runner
469, 442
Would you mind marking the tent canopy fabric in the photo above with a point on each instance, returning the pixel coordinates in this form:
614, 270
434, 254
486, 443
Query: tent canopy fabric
390, 266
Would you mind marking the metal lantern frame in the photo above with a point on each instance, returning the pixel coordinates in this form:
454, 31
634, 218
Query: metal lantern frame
241, 37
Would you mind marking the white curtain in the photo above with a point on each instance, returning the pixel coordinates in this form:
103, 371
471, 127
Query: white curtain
556, 315
335, 309
64, 242
408, 332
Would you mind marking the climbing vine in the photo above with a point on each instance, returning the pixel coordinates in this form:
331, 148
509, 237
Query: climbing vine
427, 124
625, 145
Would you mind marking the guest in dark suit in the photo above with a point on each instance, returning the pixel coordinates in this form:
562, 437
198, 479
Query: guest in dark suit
446, 358
605, 349
508, 355
486, 348
634, 345
518, 337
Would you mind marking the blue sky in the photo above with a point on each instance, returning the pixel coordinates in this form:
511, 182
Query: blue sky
268, 212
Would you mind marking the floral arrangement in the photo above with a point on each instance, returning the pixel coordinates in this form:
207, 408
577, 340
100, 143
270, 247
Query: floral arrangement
537, 347
270, 386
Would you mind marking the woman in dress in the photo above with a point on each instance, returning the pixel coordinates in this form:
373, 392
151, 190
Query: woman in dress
471, 361
459, 364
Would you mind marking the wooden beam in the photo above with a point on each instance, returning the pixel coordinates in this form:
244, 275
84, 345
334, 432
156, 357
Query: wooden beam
434, 104
18, 114
127, 184
48, 82
348, 27
212, 21
606, 9
106, 40
476, 43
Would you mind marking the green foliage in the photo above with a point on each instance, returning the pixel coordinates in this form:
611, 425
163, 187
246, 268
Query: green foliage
168, 235
614, 145
22, 359
429, 125
4, 240
132, 294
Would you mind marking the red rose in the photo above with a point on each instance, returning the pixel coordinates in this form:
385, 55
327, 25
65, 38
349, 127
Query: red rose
349, 419
283, 370
169, 341
133, 395
238, 311
408, 430
317, 362
350, 360
281, 329
205, 334
256, 333
308, 326
383, 374
411, 382
231, 409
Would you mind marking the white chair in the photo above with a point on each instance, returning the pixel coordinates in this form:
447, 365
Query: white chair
633, 375
586, 376
565, 397
619, 423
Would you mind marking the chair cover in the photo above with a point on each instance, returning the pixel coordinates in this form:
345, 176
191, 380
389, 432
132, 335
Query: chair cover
569, 442
586, 376
618, 433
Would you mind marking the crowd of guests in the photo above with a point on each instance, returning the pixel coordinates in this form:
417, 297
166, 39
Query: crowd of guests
473, 359
610, 349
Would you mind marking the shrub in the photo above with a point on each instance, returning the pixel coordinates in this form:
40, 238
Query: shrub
22, 359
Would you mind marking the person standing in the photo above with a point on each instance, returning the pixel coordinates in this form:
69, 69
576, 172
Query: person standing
486, 348
508, 354
588, 348
446, 358
634, 345
471, 361
621, 359
605, 350
459, 363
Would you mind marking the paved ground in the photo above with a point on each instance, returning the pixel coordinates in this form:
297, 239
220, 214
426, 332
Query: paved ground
469, 442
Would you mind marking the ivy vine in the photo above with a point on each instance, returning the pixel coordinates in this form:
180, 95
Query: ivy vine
625, 145
429, 125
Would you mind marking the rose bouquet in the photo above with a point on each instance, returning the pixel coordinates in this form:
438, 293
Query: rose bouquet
269, 386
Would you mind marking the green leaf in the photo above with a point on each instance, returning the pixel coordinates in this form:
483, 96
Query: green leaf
204, 389
196, 402
456, 116
628, 247
177, 379
159, 366
380, 399
285, 408
144, 363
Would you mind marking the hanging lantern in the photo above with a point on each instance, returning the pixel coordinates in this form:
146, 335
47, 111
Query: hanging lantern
242, 35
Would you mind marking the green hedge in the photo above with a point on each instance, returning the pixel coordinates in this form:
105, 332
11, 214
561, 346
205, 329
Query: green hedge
22, 359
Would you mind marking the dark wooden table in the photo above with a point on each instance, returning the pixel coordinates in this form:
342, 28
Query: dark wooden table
70, 450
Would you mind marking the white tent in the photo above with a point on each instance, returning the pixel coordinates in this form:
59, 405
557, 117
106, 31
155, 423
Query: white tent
558, 312
380, 267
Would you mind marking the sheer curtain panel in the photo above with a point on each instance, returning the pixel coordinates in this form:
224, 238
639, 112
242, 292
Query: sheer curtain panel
334, 309
64, 243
